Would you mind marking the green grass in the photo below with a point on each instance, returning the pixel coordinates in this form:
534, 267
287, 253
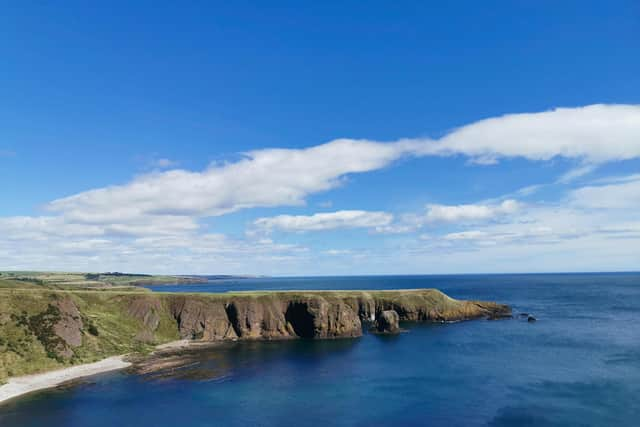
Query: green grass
73, 281
25, 346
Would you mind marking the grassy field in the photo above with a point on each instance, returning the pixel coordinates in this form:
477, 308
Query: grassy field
71, 281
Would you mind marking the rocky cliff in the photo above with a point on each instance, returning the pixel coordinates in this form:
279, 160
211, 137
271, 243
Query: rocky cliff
316, 315
41, 330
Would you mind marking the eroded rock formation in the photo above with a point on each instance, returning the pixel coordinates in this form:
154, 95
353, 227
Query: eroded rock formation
388, 322
314, 315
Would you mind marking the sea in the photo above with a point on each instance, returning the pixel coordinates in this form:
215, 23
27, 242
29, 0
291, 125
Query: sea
577, 365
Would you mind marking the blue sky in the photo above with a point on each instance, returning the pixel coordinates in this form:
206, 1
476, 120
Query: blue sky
143, 137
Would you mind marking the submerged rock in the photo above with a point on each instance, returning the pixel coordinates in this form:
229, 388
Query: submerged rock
498, 315
388, 322
531, 319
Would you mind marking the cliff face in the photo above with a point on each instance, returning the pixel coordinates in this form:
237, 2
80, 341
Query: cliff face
41, 330
316, 315
267, 317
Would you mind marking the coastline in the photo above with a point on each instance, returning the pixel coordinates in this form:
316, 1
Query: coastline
18, 386
60, 320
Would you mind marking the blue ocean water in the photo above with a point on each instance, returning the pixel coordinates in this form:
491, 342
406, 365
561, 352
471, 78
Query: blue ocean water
578, 365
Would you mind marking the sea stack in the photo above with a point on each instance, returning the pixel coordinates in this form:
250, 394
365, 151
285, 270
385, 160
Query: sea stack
388, 322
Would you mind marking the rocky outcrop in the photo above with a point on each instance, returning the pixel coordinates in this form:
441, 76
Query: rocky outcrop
317, 317
68, 327
200, 319
58, 328
147, 310
388, 322
266, 317
310, 315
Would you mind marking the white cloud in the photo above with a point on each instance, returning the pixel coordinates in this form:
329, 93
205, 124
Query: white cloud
596, 133
274, 177
466, 235
576, 173
324, 221
338, 252
285, 177
399, 228
617, 179
43, 227
451, 214
604, 214
42, 245
511, 233
623, 195
470, 212
529, 190
153, 220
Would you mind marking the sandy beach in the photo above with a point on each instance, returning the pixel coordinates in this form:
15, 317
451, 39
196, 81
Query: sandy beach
18, 386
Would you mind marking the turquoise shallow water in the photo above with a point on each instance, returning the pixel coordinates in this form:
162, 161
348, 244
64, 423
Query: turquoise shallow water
579, 365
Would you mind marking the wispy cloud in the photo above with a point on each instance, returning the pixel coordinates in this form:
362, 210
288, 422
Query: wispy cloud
338, 252
324, 221
471, 212
622, 195
576, 173
163, 163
